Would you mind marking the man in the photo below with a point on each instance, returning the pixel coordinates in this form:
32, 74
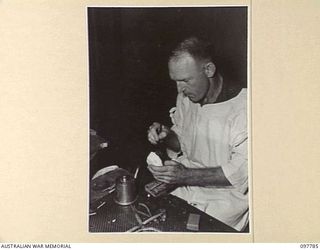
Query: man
208, 139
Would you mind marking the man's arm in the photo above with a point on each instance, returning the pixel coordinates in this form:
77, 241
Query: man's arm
213, 176
235, 171
176, 173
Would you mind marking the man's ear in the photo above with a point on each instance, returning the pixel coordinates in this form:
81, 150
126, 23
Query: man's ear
210, 69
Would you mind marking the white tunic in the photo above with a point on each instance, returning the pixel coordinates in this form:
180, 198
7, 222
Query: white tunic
215, 135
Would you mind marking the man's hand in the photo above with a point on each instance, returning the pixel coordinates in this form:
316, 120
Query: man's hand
172, 172
176, 173
157, 132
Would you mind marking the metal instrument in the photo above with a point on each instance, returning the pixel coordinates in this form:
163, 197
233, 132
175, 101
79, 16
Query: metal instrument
126, 192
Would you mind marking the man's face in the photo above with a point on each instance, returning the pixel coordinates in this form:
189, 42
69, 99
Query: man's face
190, 77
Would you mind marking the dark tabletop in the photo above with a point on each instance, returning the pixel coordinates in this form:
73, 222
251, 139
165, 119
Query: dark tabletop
112, 217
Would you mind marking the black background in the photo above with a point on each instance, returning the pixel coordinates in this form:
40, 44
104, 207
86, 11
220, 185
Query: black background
129, 82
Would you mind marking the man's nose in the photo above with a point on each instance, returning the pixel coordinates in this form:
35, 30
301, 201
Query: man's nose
180, 86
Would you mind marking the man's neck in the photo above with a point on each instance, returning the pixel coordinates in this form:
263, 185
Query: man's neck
221, 90
214, 91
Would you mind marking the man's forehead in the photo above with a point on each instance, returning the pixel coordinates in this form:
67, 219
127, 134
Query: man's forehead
182, 67
182, 61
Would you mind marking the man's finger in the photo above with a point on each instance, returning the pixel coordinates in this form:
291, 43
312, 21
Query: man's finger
163, 169
171, 163
157, 169
153, 135
151, 139
164, 179
163, 174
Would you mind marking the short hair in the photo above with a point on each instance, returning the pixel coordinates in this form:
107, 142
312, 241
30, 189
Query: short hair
197, 48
